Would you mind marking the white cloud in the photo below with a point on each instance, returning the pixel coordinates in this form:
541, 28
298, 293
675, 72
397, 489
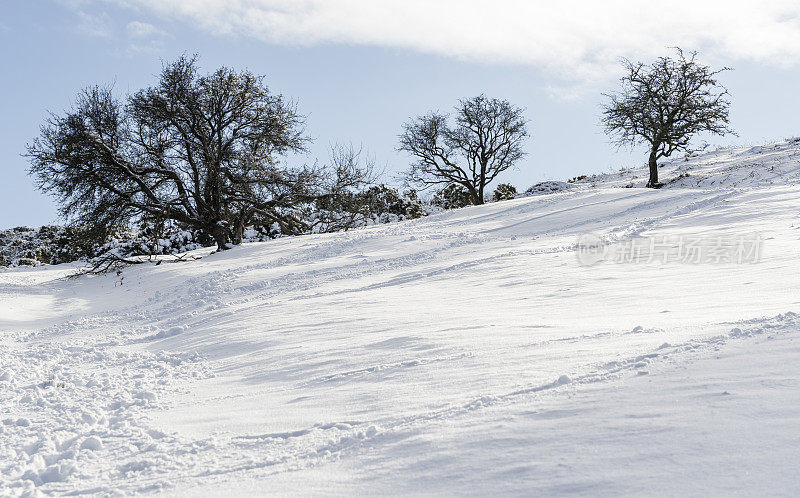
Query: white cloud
575, 39
138, 29
95, 24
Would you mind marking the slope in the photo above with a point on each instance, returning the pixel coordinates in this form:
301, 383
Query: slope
387, 359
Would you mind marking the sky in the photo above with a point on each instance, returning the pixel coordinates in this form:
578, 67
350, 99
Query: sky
359, 69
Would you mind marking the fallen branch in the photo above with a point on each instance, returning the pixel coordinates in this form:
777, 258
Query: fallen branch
111, 262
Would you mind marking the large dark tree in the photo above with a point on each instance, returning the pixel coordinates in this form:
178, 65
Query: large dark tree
202, 150
485, 140
664, 105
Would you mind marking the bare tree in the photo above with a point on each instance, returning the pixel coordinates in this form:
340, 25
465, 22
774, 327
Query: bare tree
485, 140
664, 105
204, 151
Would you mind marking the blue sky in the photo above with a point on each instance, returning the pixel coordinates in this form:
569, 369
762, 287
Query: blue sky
360, 68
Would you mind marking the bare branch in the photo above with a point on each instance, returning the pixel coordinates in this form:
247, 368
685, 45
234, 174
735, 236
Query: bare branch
485, 140
665, 105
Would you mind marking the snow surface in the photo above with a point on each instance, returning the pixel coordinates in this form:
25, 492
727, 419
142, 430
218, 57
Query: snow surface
465, 353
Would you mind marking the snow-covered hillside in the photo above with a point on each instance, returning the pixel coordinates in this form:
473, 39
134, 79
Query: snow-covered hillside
482, 350
762, 165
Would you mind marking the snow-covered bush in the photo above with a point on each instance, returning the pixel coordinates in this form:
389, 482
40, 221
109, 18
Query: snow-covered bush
52, 244
136, 244
452, 197
375, 205
547, 187
384, 202
61, 244
504, 192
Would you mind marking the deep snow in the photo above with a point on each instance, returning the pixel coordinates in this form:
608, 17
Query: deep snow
468, 352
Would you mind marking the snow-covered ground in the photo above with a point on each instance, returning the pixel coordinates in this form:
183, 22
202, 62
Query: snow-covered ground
485, 350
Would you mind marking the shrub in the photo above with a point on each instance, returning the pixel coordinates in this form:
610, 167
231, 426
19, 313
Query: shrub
452, 197
504, 192
377, 204
547, 187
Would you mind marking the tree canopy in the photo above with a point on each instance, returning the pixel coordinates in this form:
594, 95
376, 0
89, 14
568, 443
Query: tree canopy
485, 139
665, 104
202, 150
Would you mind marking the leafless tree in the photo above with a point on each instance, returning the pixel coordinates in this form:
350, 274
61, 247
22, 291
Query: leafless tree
485, 140
203, 150
664, 105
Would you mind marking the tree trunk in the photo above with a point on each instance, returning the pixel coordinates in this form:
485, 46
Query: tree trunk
474, 196
238, 230
653, 182
220, 234
482, 186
